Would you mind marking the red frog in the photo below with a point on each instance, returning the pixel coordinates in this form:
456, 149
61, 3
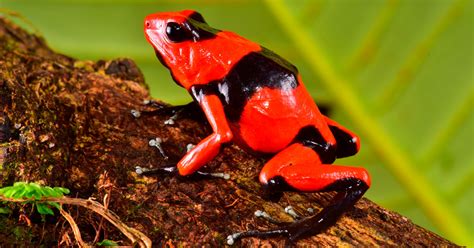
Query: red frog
256, 99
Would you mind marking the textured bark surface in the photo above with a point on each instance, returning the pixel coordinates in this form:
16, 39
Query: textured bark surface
67, 123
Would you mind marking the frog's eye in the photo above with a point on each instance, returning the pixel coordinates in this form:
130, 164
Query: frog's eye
177, 32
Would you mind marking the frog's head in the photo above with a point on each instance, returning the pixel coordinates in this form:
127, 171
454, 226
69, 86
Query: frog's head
173, 35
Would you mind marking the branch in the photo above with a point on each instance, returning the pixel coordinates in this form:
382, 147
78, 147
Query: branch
74, 227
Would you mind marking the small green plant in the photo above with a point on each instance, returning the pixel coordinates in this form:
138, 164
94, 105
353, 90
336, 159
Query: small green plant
107, 242
45, 197
34, 191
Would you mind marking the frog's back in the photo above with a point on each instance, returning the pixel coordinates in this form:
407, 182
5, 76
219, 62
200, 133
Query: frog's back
253, 72
266, 102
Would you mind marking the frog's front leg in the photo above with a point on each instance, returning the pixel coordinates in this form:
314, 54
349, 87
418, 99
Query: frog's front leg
191, 110
209, 147
199, 155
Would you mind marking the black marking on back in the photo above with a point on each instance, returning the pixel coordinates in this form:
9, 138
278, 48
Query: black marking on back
197, 17
200, 30
346, 145
254, 71
310, 136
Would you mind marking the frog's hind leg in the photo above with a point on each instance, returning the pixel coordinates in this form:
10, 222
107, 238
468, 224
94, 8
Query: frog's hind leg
348, 143
299, 168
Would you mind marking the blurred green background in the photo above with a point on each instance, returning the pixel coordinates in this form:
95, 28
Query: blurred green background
399, 73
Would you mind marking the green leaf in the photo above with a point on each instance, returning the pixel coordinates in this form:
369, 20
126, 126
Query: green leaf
55, 204
35, 191
107, 242
50, 192
19, 184
18, 191
43, 208
32, 191
8, 191
61, 190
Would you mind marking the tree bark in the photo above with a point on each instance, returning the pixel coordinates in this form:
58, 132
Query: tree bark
65, 122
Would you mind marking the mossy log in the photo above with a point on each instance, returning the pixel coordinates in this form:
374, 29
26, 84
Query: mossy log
65, 122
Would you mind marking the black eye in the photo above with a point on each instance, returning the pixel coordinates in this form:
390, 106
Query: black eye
178, 33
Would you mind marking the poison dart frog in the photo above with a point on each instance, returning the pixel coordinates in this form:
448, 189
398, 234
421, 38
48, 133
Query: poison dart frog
257, 100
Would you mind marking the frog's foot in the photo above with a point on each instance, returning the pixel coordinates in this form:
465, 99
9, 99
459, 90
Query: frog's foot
152, 103
266, 216
156, 142
288, 210
266, 234
191, 110
213, 175
172, 170
166, 171
285, 229
272, 233
231, 239
158, 109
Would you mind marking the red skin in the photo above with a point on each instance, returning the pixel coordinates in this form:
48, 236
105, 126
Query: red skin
271, 118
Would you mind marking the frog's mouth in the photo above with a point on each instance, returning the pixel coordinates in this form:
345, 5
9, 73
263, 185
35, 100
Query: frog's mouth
161, 59
152, 33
